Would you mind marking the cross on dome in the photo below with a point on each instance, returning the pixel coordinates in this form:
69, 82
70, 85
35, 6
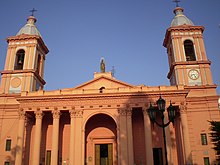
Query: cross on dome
177, 2
32, 11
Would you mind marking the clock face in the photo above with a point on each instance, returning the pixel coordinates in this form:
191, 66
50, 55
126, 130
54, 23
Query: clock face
193, 74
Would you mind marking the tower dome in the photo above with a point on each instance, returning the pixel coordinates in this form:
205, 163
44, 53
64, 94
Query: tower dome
30, 27
180, 18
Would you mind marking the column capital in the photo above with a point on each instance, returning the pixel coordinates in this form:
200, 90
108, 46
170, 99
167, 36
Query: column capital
22, 114
129, 111
38, 114
122, 111
145, 111
183, 108
76, 113
56, 113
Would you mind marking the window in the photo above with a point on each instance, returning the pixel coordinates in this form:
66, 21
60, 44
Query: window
48, 157
7, 163
19, 61
8, 145
189, 50
206, 161
101, 89
38, 64
204, 139
158, 156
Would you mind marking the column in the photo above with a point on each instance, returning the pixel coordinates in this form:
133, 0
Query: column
130, 137
37, 137
20, 137
123, 137
55, 135
76, 142
148, 138
186, 142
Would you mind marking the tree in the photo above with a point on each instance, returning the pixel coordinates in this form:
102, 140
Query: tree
215, 137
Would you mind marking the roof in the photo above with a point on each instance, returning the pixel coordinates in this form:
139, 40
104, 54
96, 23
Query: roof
103, 82
30, 27
180, 18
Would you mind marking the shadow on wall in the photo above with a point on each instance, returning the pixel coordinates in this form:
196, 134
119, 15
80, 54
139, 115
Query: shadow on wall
11, 158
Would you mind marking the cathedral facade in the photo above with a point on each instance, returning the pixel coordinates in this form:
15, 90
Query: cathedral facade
105, 121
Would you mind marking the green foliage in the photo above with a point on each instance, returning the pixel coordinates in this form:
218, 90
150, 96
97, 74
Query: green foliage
215, 136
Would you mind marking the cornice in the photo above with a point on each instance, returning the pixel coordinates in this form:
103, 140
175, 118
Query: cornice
202, 98
28, 37
111, 96
200, 87
188, 28
186, 63
24, 71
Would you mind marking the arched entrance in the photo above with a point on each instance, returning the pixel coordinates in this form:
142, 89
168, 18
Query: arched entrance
101, 140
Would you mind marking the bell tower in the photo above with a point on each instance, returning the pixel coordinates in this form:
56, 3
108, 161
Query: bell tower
186, 52
24, 65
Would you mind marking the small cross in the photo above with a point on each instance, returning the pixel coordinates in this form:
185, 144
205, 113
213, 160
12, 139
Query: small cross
32, 11
177, 2
113, 71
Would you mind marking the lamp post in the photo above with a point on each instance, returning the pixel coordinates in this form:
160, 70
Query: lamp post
160, 109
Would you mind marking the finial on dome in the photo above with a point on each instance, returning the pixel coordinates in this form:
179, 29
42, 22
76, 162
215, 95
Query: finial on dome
32, 11
180, 18
30, 27
31, 19
177, 2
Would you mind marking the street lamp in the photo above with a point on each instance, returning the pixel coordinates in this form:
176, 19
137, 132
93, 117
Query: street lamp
160, 109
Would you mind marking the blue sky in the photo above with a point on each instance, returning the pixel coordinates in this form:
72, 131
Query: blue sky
127, 33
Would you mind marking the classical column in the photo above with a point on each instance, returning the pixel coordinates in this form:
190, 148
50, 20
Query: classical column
186, 142
20, 137
76, 148
148, 138
55, 135
130, 137
123, 157
37, 137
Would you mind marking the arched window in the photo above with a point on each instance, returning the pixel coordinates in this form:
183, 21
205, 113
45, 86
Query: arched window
19, 61
38, 64
101, 89
189, 50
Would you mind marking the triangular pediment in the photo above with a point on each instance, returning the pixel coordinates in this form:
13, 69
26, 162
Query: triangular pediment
103, 82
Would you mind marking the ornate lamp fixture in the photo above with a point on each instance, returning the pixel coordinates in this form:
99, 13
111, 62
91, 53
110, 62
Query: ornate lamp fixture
160, 109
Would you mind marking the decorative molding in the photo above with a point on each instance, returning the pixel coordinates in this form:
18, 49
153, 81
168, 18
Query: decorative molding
56, 113
38, 114
183, 108
129, 112
145, 111
122, 112
76, 113
22, 114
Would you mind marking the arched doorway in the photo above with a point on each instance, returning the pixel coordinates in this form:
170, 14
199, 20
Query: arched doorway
101, 140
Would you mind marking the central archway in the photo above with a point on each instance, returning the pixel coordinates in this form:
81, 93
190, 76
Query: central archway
101, 140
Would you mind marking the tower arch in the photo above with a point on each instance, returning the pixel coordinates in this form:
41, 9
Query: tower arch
189, 50
19, 60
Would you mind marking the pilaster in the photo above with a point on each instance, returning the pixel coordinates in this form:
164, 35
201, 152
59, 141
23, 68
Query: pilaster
130, 136
76, 141
55, 141
37, 137
123, 137
186, 142
148, 138
20, 137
